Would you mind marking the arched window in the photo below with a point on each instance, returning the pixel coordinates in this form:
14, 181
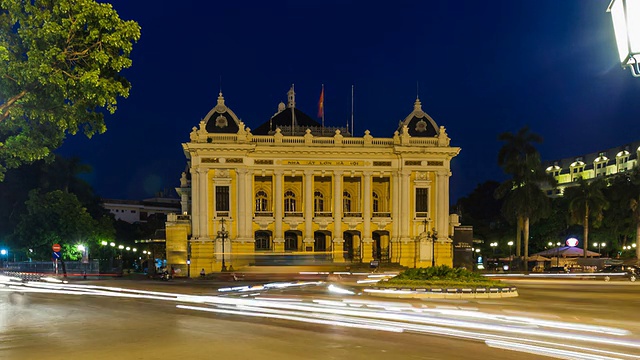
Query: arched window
318, 202
376, 202
289, 201
263, 241
346, 202
261, 201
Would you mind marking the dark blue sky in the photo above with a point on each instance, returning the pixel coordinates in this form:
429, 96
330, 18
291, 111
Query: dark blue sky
483, 67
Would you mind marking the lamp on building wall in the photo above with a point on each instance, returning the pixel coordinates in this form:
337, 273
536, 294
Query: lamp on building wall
626, 25
223, 235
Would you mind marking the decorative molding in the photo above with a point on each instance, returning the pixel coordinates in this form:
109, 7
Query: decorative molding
382, 163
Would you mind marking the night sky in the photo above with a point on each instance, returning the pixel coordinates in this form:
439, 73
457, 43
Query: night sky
483, 68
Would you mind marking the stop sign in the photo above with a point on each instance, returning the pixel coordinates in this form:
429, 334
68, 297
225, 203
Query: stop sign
56, 247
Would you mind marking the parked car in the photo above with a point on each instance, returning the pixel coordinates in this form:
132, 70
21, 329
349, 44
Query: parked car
620, 272
557, 270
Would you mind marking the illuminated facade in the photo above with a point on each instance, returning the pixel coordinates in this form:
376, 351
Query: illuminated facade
599, 164
293, 187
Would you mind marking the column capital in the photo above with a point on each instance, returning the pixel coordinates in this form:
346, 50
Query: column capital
367, 173
278, 172
242, 171
443, 172
338, 172
308, 172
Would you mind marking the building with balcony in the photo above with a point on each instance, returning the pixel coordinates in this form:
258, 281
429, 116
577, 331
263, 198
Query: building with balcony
294, 187
603, 163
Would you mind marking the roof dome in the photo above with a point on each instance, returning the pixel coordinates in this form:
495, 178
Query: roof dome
419, 123
288, 116
221, 119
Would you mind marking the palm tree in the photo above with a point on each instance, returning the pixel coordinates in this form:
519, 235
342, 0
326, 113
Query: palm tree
586, 202
524, 200
634, 205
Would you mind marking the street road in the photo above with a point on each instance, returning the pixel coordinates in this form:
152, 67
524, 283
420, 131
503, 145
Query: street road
92, 323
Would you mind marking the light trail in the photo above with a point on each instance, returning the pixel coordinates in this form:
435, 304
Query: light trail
514, 333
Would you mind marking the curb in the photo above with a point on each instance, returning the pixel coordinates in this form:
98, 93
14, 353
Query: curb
443, 293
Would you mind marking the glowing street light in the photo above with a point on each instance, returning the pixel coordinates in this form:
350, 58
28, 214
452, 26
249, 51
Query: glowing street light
626, 25
493, 245
104, 243
81, 247
120, 247
112, 244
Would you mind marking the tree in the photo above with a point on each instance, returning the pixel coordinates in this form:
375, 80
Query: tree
60, 64
524, 200
56, 217
586, 202
634, 204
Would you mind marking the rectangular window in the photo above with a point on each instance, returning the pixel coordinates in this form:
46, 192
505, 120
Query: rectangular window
222, 198
422, 200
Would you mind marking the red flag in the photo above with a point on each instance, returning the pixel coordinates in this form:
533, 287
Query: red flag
321, 104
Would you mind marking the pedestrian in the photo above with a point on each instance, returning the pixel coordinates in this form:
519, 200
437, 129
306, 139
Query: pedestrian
173, 272
202, 273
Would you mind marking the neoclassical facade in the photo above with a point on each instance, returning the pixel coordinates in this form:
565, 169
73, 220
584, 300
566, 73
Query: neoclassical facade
296, 190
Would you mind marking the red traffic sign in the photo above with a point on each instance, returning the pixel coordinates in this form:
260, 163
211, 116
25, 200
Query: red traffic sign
56, 247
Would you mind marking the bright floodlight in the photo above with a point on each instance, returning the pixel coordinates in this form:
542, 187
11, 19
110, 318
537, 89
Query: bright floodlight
120, 247
3, 252
134, 249
626, 25
104, 243
112, 244
81, 247
128, 248
510, 243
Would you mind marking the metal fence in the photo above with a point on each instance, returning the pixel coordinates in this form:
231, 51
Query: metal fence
72, 268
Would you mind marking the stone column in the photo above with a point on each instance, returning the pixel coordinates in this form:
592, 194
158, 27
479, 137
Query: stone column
338, 241
442, 204
249, 202
366, 239
279, 235
405, 209
395, 206
195, 202
203, 204
240, 203
308, 205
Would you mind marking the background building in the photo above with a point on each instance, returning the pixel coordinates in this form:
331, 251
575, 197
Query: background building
133, 211
603, 163
297, 189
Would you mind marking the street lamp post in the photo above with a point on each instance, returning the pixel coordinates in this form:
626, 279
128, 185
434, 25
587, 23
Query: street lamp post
510, 243
433, 235
223, 234
626, 25
493, 247
5, 254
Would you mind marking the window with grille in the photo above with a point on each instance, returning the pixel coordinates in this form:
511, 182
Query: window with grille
261, 201
262, 241
346, 202
422, 200
318, 202
222, 198
290, 243
289, 201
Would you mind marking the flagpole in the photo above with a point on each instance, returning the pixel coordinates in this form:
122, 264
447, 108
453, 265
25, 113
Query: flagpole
323, 109
352, 131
